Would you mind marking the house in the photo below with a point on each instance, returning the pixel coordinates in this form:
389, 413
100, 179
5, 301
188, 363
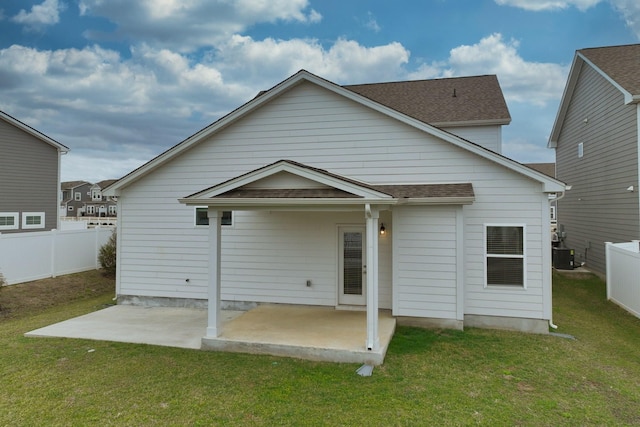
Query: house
30, 176
595, 137
344, 196
83, 199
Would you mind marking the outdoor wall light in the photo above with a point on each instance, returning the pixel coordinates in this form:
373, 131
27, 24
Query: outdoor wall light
383, 230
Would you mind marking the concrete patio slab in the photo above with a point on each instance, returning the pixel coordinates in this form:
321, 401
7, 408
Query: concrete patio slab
166, 326
314, 333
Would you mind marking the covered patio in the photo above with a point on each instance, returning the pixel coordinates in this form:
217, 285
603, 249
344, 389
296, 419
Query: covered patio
313, 333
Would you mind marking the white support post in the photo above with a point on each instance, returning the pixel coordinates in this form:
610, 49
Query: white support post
373, 339
214, 326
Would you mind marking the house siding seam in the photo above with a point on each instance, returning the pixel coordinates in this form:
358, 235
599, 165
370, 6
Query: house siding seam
598, 208
316, 127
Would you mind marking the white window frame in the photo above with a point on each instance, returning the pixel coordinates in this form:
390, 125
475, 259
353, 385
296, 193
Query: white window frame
90, 210
16, 221
195, 218
522, 256
581, 150
77, 196
26, 215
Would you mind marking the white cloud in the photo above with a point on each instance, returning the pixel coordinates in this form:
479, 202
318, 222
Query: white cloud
540, 5
525, 82
46, 13
344, 61
630, 11
372, 23
120, 111
186, 25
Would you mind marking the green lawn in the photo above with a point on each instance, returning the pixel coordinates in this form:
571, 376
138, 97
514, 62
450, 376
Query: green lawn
475, 377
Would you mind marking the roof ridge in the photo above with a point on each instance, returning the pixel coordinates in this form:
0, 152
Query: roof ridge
419, 80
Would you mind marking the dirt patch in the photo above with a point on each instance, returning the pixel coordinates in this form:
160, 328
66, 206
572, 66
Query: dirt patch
32, 297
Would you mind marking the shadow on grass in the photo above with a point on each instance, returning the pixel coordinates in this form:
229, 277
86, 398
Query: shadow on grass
410, 340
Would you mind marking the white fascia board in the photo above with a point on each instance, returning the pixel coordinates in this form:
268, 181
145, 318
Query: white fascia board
628, 97
468, 123
240, 203
569, 88
440, 201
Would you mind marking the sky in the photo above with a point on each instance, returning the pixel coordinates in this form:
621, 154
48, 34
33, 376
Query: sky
121, 81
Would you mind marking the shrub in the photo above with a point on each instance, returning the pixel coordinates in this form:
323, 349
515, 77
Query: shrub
107, 255
3, 283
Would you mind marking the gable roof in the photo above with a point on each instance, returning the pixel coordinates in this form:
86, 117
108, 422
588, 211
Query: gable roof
549, 184
314, 186
617, 64
620, 63
443, 102
33, 132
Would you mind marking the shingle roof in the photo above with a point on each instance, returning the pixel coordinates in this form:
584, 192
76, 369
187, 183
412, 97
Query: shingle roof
419, 191
548, 169
67, 185
621, 63
442, 101
405, 191
105, 183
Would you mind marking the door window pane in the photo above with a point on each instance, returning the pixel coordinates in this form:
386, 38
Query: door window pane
352, 263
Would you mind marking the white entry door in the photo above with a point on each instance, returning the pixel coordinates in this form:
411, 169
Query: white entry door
353, 269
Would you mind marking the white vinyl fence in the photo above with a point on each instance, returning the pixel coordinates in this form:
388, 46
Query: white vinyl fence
623, 275
33, 256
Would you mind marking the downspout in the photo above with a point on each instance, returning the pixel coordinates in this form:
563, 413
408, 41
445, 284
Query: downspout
566, 188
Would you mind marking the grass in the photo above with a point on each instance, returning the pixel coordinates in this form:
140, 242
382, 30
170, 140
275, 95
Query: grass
475, 377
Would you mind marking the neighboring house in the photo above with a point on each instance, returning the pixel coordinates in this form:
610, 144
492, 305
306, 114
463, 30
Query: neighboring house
595, 137
318, 194
83, 199
30, 177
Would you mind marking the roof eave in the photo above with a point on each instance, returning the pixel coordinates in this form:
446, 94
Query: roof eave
464, 200
236, 203
468, 123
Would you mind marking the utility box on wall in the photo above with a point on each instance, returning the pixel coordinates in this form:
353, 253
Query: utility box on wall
563, 258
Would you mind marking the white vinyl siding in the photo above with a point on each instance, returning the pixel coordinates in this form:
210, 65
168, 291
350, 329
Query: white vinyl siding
9, 220
489, 137
425, 262
268, 256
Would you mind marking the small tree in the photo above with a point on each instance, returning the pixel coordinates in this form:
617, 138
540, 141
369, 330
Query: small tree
107, 255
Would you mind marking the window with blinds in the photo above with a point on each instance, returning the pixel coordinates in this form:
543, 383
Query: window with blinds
504, 254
